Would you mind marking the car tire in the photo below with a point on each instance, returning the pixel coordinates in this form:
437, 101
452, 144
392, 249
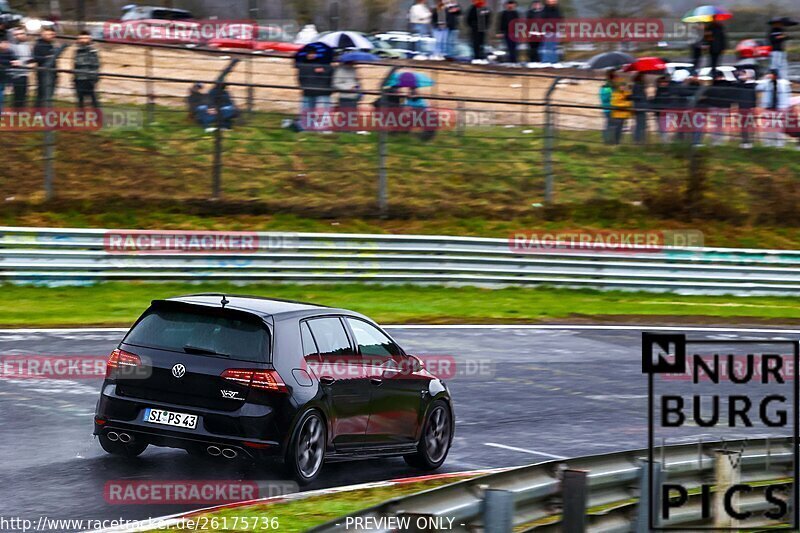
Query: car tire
305, 453
130, 449
437, 436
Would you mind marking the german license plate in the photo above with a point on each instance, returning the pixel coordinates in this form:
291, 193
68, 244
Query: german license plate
170, 418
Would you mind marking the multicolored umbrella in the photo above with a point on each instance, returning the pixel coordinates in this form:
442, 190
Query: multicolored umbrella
707, 14
646, 64
414, 80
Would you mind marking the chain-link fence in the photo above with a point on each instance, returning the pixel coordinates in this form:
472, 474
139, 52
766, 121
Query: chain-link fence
519, 141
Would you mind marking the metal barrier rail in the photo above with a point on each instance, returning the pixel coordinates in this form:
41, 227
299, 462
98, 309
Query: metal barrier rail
58, 256
612, 490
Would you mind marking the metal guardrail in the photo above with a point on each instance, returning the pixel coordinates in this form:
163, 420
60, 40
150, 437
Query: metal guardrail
59, 256
611, 491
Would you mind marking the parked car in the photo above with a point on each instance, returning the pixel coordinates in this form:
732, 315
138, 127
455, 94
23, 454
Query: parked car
420, 47
247, 377
267, 39
134, 12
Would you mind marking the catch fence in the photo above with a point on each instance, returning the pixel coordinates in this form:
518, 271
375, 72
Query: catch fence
520, 141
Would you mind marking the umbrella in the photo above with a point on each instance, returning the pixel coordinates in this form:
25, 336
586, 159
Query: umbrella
323, 51
357, 57
646, 64
752, 48
345, 39
786, 21
707, 14
409, 79
611, 59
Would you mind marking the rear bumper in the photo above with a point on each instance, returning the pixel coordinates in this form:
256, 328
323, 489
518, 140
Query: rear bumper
251, 429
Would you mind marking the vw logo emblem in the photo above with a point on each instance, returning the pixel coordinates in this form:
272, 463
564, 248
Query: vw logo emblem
178, 370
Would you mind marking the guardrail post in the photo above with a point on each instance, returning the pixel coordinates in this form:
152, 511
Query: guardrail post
726, 474
649, 507
498, 511
549, 141
574, 493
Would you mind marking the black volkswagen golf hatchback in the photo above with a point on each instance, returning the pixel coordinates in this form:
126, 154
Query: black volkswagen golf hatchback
254, 378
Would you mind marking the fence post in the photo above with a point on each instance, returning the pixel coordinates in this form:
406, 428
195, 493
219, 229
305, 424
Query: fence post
574, 493
49, 148
149, 86
250, 88
549, 140
648, 508
498, 511
726, 474
216, 169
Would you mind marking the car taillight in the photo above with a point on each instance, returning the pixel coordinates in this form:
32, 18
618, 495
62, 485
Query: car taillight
121, 359
257, 379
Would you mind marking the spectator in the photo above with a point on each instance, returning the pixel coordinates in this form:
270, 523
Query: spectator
194, 100
639, 99
6, 57
440, 29
621, 105
606, 91
44, 53
718, 100
745, 99
534, 17
213, 109
479, 18
548, 50
776, 93
662, 101
23, 53
316, 82
87, 68
777, 40
345, 80
716, 41
420, 18
504, 30
224, 110
453, 12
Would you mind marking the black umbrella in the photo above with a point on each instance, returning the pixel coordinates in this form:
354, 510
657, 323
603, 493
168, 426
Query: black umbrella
786, 21
611, 59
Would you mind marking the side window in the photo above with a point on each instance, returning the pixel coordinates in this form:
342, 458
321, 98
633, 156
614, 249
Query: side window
309, 346
372, 341
330, 336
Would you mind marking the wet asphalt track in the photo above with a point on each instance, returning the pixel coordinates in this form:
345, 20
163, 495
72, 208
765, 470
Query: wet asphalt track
548, 393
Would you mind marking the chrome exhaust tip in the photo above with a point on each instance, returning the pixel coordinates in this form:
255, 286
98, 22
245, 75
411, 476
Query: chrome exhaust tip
229, 454
124, 437
213, 451
112, 436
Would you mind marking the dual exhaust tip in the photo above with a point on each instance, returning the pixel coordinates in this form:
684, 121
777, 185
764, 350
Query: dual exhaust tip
121, 437
227, 453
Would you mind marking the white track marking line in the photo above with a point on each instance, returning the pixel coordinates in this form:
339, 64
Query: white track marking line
543, 327
523, 450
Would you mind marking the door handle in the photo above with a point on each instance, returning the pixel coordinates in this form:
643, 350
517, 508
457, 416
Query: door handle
327, 380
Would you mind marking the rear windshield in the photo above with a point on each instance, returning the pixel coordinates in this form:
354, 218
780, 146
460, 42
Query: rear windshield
202, 334
168, 14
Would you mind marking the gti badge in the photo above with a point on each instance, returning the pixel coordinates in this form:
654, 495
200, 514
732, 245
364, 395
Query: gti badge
178, 370
231, 394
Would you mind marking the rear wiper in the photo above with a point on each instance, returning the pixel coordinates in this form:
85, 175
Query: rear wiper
188, 348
